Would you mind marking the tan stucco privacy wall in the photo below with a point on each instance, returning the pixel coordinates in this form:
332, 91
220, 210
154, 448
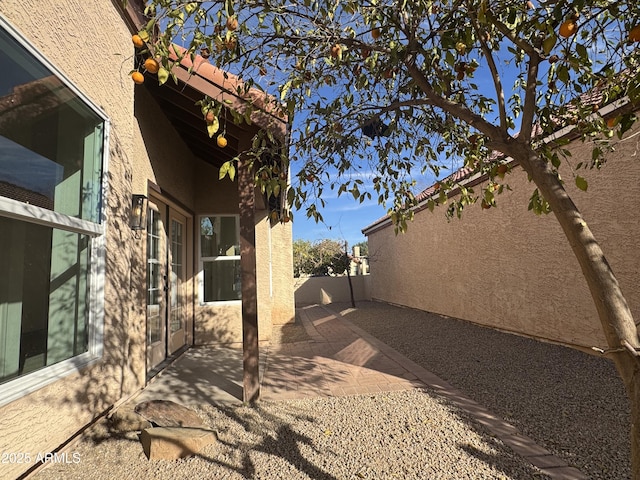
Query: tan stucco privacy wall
324, 290
508, 268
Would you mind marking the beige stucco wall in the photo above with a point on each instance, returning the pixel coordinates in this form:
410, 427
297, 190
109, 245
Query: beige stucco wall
283, 309
90, 43
324, 290
222, 322
507, 268
160, 154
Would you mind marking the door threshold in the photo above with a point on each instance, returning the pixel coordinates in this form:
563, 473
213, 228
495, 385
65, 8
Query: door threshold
165, 363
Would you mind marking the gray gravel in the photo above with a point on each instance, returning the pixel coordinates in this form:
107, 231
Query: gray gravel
570, 402
405, 435
567, 401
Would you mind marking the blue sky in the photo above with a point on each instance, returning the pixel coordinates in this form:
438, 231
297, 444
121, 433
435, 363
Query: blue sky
344, 217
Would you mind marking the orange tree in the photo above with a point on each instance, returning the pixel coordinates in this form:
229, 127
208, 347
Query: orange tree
399, 87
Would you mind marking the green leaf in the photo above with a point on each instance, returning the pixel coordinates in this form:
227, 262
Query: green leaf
285, 90
224, 170
549, 43
163, 75
581, 183
213, 127
563, 74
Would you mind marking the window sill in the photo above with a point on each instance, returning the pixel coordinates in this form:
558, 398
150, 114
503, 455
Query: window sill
22, 386
220, 303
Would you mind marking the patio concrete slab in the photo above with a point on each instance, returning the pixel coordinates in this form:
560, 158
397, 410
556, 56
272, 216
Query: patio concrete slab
337, 361
201, 375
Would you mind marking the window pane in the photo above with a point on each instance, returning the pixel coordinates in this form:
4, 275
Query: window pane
50, 141
43, 296
219, 236
222, 280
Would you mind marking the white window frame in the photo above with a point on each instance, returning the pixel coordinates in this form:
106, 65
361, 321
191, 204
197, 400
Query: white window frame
219, 258
24, 385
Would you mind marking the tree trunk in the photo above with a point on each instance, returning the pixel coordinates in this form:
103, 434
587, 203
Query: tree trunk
615, 316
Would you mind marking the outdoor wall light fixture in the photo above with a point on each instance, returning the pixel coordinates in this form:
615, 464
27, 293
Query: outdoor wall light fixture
137, 211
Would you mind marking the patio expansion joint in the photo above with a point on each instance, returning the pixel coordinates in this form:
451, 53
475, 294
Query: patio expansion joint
520, 444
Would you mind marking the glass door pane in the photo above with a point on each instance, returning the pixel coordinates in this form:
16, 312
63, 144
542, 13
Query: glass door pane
178, 297
156, 285
154, 278
177, 276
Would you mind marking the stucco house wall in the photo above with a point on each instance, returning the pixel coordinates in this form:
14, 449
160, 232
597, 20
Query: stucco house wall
510, 269
90, 43
222, 323
282, 292
85, 40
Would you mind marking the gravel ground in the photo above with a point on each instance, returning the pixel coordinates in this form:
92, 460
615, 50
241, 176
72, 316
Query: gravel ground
567, 401
405, 435
570, 402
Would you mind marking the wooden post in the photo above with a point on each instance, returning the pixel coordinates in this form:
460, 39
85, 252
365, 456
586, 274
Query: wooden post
250, 356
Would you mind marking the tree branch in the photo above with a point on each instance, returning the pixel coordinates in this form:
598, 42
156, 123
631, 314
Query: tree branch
457, 110
494, 75
529, 109
508, 33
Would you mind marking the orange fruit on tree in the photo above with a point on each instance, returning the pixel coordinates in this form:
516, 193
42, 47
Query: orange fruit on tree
209, 117
221, 141
151, 65
568, 28
612, 122
634, 34
232, 23
137, 41
137, 77
375, 33
335, 51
